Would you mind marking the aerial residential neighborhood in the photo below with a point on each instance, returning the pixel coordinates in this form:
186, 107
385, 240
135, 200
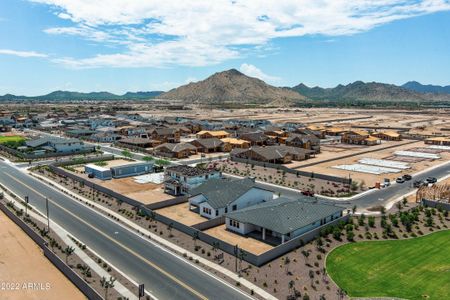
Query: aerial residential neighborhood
224, 150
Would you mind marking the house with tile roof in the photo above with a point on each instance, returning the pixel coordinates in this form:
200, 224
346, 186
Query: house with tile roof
281, 219
217, 197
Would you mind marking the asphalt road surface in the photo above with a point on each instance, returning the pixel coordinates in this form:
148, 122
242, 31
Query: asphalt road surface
165, 275
375, 198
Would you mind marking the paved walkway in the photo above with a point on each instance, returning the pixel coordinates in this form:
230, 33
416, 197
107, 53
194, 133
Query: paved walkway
163, 241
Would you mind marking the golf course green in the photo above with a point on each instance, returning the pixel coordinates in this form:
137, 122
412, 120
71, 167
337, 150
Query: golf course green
417, 268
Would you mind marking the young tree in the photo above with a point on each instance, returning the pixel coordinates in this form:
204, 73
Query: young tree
127, 154
106, 284
287, 261
68, 251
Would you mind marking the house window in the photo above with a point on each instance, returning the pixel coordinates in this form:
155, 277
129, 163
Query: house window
217, 212
234, 207
226, 209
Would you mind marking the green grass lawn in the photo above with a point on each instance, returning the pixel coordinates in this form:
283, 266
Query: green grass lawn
409, 269
14, 138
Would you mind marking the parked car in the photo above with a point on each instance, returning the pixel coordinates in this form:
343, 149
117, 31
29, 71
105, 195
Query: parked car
407, 177
387, 182
431, 179
400, 180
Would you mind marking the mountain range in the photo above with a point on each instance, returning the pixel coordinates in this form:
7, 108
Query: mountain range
428, 88
233, 87
77, 96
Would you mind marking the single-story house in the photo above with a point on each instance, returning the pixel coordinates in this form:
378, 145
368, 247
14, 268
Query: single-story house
131, 169
99, 172
217, 197
211, 145
180, 179
58, 145
138, 142
207, 134
273, 154
165, 135
176, 150
256, 138
281, 219
236, 143
388, 135
441, 141
310, 141
128, 169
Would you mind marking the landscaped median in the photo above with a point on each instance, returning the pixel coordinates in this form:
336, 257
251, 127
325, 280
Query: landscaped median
416, 268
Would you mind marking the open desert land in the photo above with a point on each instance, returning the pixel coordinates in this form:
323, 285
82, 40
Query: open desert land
382, 153
22, 262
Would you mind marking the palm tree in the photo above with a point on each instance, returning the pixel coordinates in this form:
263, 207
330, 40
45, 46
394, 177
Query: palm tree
106, 284
69, 251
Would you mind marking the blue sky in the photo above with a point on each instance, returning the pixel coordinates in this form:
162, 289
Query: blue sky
80, 45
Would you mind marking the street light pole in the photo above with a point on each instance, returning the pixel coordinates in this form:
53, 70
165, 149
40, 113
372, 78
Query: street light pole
48, 217
26, 206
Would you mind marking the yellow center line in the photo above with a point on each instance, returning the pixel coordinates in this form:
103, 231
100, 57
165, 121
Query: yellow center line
198, 294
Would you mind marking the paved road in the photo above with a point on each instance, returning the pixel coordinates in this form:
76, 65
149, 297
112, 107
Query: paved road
375, 198
165, 275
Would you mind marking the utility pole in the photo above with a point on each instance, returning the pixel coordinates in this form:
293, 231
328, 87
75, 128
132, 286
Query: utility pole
26, 206
236, 250
48, 217
141, 291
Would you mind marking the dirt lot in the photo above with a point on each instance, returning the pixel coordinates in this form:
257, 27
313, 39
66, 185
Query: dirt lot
182, 214
22, 261
370, 179
341, 150
247, 243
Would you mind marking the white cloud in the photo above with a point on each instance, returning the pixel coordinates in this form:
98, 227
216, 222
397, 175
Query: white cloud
205, 32
251, 70
21, 53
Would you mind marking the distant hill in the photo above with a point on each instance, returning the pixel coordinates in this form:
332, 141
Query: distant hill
370, 91
428, 88
233, 87
77, 96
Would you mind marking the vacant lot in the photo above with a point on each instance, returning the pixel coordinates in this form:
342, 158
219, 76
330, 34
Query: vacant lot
22, 261
416, 268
